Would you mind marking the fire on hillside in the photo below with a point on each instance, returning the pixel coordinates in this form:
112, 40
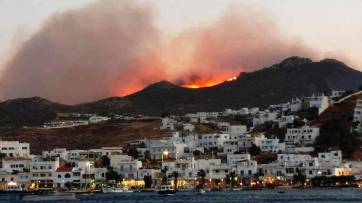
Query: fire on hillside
205, 82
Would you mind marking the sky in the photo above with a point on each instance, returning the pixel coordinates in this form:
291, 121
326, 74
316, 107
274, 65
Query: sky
182, 39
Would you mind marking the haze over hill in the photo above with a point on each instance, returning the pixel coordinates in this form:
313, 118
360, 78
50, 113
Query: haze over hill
294, 77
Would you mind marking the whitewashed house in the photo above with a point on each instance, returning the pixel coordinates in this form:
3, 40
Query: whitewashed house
188, 127
98, 119
42, 171
284, 120
223, 125
357, 116
304, 135
337, 93
264, 117
167, 124
11, 164
213, 140
14, 148
235, 130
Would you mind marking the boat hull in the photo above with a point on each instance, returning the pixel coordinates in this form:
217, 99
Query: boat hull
167, 192
111, 190
57, 197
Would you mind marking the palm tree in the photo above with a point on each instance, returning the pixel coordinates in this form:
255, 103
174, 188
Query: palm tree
201, 173
175, 175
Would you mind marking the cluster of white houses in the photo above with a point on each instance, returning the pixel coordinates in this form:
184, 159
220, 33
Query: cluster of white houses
48, 169
185, 154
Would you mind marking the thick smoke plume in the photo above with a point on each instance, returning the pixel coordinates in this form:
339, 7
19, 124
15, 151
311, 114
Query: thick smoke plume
105, 49
113, 48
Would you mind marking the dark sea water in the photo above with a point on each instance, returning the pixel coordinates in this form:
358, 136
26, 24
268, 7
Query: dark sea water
306, 195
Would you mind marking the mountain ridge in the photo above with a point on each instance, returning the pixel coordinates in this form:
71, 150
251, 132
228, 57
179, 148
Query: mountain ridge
279, 83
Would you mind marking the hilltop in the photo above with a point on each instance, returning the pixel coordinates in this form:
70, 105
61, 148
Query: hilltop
292, 78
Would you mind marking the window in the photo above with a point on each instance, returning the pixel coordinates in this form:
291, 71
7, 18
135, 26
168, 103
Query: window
21, 165
323, 156
59, 176
50, 167
310, 164
311, 172
241, 172
24, 148
67, 175
250, 172
281, 157
4, 148
335, 154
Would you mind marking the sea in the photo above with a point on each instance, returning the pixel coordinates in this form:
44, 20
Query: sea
295, 195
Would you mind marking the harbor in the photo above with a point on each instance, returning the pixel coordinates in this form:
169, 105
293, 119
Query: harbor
298, 196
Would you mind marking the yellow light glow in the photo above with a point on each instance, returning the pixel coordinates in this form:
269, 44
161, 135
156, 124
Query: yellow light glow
165, 152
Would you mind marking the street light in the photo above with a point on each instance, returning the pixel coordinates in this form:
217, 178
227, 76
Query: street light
164, 153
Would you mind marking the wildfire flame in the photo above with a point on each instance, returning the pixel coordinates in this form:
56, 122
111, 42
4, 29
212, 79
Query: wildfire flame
199, 83
231, 79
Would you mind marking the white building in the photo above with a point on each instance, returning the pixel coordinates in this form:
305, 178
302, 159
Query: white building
128, 168
235, 130
15, 148
304, 135
265, 144
57, 152
223, 125
357, 116
337, 94
15, 164
167, 124
284, 120
213, 140
42, 171
98, 119
189, 127
264, 117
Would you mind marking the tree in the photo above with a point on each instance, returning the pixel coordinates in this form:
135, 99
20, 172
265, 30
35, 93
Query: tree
148, 181
26, 170
68, 164
197, 153
113, 175
164, 179
230, 178
106, 161
147, 154
132, 151
15, 172
143, 145
202, 174
68, 185
299, 177
254, 150
175, 175
360, 88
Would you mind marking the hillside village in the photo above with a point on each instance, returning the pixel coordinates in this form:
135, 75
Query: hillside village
287, 144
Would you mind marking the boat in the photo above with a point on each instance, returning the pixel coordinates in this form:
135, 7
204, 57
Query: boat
111, 189
200, 191
48, 195
15, 189
126, 189
236, 189
167, 190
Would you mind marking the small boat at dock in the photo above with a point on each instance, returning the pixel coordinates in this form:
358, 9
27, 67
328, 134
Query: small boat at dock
167, 190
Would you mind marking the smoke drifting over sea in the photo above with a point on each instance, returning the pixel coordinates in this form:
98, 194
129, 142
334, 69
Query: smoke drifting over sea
114, 48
